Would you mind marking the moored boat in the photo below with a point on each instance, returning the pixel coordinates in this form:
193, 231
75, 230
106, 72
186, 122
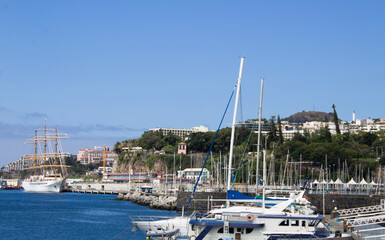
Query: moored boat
49, 169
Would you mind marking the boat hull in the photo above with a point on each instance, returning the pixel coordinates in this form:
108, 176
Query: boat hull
44, 186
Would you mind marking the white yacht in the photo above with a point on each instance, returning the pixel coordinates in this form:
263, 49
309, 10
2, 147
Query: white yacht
241, 222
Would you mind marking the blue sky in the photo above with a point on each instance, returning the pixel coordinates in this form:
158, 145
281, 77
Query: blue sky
105, 71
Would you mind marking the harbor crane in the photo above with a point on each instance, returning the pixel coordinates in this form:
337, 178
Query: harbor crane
104, 176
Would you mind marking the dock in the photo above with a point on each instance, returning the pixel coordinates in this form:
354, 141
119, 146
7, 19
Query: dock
111, 192
364, 222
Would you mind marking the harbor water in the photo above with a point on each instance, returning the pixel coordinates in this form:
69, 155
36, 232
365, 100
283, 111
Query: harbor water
69, 216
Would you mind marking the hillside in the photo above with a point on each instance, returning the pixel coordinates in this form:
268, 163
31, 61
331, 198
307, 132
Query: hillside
307, 116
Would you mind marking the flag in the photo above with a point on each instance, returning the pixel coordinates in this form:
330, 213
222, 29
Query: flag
260, 181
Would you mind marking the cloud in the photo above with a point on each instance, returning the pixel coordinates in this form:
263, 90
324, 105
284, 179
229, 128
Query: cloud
23, 131
101, 128
35, 115
3, 109
15, 131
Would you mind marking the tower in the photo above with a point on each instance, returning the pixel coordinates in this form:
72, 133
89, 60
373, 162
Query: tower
354, 117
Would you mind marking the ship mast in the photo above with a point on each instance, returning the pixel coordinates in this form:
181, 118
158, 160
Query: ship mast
35, 141
48, 160
259, 135
233, 129
45, 147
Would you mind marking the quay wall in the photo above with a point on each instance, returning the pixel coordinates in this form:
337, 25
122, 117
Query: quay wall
342, 201
116, 187
200, 202
207, 200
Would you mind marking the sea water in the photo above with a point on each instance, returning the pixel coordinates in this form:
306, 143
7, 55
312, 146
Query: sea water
69, 216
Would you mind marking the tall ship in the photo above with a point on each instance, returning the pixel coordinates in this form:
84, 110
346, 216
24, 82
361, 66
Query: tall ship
48, 162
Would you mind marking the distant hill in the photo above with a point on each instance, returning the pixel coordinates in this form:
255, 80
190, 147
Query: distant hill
308, 116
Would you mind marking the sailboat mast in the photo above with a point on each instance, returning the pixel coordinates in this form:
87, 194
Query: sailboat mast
233, 128
259, 135
56, 153
264, 180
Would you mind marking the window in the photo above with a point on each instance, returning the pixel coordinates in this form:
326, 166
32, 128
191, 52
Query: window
220, 230
303, 223
231, 230
294, 223
249, 230
284, 223
312, 223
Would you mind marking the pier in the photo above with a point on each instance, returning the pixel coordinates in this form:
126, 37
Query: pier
96, 191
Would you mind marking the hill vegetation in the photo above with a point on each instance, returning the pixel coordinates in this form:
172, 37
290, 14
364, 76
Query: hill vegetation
354, 149
308, 116
361, 148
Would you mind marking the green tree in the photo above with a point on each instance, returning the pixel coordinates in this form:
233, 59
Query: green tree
272, 135
280, 136
171, 139
367, 138
151, 140
170, 149
336, 121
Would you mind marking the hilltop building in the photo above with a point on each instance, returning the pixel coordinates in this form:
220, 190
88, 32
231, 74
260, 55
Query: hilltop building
22, 163
289, 129
182, 148
253, 124
182, 133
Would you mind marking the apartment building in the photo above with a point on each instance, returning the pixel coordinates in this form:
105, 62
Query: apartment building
22, 163
87, 156
182, 133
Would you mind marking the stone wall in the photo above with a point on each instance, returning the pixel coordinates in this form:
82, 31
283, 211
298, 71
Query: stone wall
342, 201
200, 200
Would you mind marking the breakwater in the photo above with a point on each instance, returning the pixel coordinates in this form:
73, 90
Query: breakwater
153, 200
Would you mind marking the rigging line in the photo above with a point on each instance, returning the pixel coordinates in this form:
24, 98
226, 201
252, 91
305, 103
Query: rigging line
121, 233
243, 155
212, 144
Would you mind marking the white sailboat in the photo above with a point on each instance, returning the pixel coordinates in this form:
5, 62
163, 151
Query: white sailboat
49, 170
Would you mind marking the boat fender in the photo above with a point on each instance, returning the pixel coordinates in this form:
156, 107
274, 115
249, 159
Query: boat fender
250, 217
192, 237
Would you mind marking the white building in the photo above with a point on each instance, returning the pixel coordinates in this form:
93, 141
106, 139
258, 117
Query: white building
314, 126
193, 174
289, 134
24, 162
182, 133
